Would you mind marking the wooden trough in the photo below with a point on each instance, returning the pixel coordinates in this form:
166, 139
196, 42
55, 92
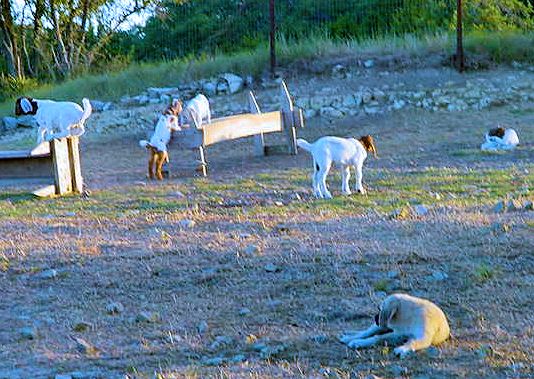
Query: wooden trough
53, 166
255, 123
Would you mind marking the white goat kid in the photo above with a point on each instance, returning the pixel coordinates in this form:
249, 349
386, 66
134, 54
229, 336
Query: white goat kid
56, 119
344, 151
157, 145
196, 111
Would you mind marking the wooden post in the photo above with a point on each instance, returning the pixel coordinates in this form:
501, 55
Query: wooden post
460, 59
259, 143
203, 168
75, 164
287, 119
61, 166
272, 36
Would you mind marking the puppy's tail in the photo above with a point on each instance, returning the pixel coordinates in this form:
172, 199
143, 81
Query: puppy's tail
303, 144
144, 143
87, 110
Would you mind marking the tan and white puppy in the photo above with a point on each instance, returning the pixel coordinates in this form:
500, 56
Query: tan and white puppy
417, 322
347, 152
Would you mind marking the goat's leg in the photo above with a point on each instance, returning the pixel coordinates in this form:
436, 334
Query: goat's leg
160, 159
315, 180
323, 173
151, 161
359, 177
345, 187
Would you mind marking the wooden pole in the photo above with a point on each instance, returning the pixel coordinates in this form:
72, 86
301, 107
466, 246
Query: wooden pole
272, 36
460, 60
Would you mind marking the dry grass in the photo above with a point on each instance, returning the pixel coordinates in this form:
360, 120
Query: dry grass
124, 243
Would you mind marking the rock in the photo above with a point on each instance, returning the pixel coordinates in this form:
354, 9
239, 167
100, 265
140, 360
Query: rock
513, 205
101, 106
420, 210
220, 341
238, 358
393, 274
252, 250
368, 63
229, 83
209, 88
28, 333
397, 370
157, 93
499, 207
399, 104
339, 71
11, 123
371, 110
438, 276
270, 267
402, 213
244, 311
147, 317
114, 308
48, 274
529, 205
202, 327
85, 347
186, 224
215, 361
63, 376
82, 326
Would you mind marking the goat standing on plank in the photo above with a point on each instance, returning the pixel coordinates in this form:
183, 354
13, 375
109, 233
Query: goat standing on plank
157, 145
56, 119
196, 110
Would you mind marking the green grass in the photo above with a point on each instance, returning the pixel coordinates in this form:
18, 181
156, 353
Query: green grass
387, 191
499, 46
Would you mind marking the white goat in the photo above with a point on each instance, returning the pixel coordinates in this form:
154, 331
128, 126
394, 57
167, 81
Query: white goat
56, 119
196, 110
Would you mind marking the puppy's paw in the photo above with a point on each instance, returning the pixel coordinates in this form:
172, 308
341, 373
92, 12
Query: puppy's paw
346, 192
403, 351
328, 195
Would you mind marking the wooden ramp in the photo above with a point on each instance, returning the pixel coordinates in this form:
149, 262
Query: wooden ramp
53, 166
255, 123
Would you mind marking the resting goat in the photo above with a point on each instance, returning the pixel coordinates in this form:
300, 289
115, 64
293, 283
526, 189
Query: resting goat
56, 119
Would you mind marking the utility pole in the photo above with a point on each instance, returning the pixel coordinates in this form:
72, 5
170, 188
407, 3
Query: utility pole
272, 36
460, 60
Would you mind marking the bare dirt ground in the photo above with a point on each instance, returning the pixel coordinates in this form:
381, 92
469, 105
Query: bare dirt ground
236, 276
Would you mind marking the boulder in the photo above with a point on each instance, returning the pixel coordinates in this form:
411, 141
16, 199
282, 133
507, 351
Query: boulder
229, 83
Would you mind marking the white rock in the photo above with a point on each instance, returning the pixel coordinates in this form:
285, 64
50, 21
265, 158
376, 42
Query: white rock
368, 63
186, 224
420, 210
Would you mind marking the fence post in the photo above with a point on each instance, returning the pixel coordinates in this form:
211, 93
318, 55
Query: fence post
272, 36
460, 60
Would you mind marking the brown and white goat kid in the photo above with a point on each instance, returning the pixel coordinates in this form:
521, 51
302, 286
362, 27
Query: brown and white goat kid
157, 145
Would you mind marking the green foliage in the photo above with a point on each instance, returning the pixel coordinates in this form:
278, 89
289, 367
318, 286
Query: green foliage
11, 86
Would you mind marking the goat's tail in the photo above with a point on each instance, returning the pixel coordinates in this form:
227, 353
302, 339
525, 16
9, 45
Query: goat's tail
87, 110
144, 143
303, 144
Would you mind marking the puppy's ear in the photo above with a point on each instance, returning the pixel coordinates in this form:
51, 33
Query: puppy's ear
388, 312
497, 132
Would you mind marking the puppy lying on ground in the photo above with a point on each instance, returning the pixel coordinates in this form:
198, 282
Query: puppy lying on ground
157, 145
500, 139
344, 151
196, 110
56, 119
402, 317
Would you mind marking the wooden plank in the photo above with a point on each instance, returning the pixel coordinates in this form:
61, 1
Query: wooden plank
233, 127
45, 191
61, 165
34, 167
287, 117
259, 142
75, 164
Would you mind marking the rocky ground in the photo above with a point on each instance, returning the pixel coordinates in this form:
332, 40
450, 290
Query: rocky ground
245, 274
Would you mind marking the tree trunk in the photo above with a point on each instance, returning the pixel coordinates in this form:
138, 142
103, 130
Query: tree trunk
14, 62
